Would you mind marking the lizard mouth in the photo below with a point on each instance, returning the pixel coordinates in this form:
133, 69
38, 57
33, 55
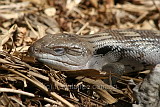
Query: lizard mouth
52, 61
61, 65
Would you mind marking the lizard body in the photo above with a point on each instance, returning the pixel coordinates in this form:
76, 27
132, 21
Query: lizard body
73, 52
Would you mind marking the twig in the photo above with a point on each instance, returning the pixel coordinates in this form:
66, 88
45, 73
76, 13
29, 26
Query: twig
29, 25
27, 94
84, 26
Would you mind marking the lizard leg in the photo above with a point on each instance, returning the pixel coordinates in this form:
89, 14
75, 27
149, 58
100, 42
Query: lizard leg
115, 70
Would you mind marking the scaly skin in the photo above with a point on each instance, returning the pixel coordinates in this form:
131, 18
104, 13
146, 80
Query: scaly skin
73, 52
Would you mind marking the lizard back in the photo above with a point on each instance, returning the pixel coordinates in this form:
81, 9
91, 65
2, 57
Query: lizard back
142, 45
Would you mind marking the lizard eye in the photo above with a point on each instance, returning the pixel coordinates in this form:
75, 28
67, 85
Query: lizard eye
59, 51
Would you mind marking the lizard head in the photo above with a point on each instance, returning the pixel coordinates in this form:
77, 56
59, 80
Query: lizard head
62, 51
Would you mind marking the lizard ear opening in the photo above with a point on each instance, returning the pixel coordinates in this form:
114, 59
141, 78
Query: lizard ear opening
75, 51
